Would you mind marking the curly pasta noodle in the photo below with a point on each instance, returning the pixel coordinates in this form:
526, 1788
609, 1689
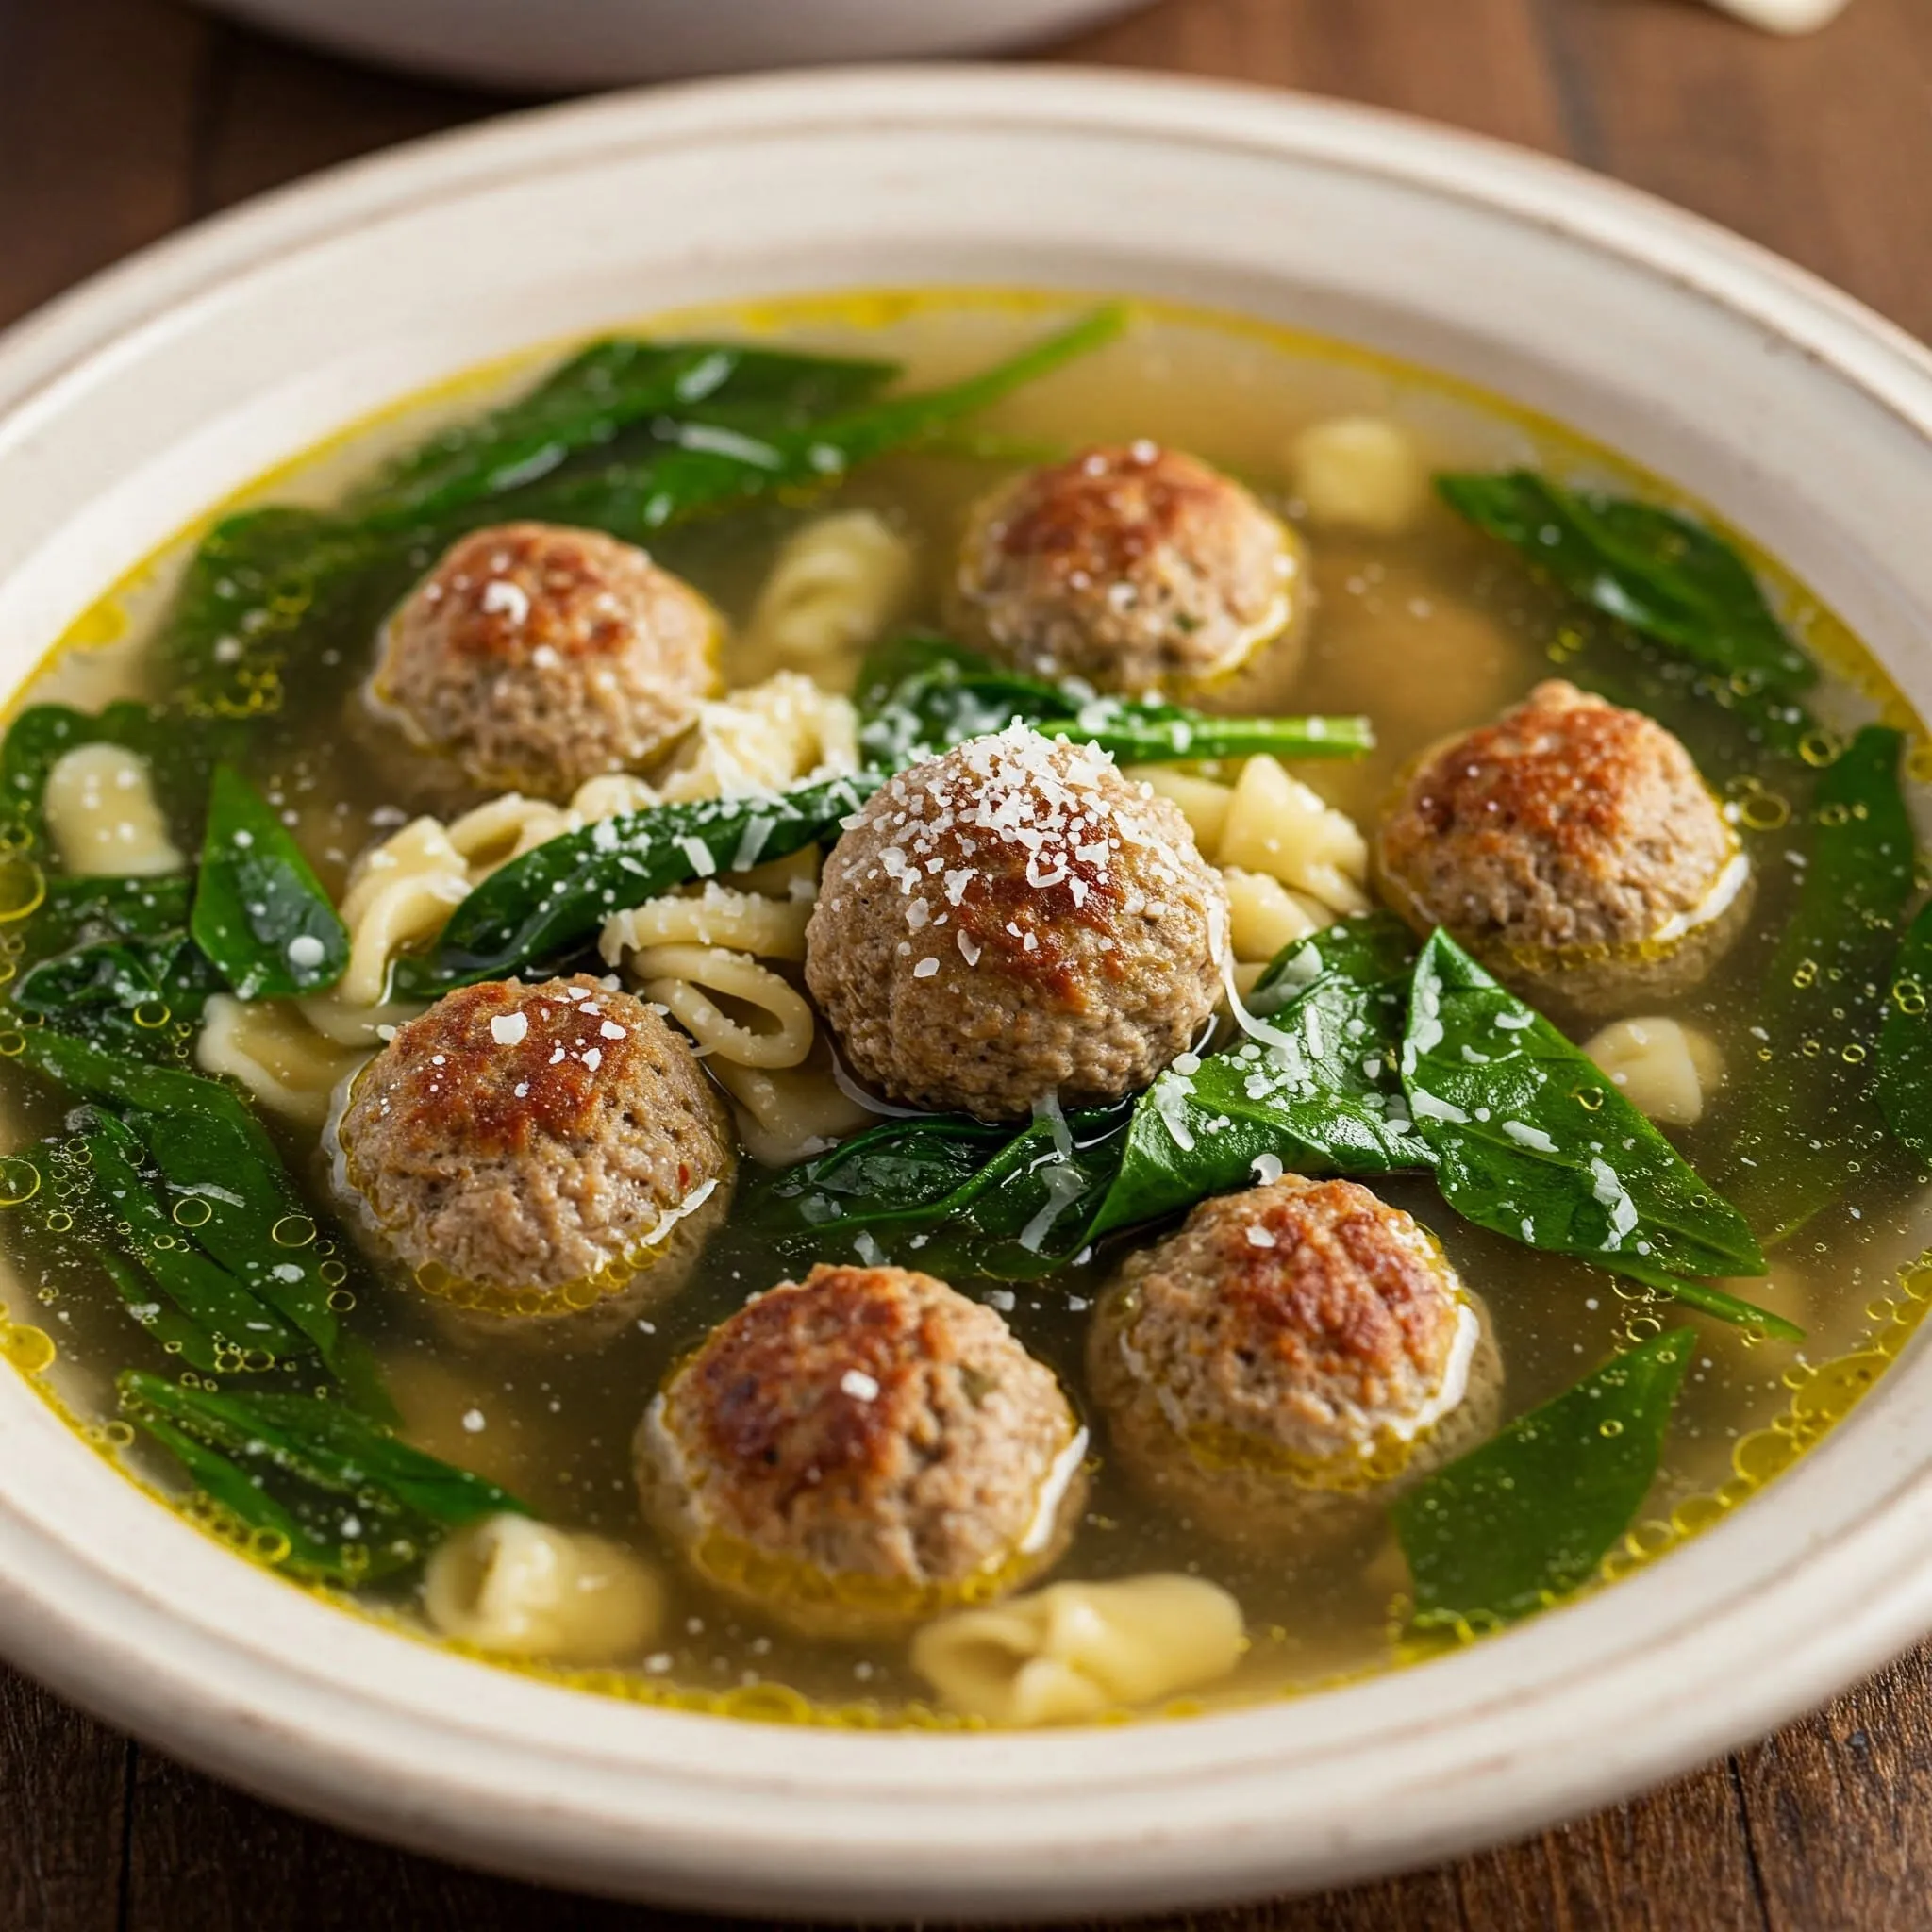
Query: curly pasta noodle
834, 588
683, 980
763, 739
742, 921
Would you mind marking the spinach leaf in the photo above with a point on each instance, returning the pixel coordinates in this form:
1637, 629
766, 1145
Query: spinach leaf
702, 467
922, 694
1532, 1141
260, 914
948, 1193
1319, 1092
111, 960
335, 1496
763, 421
207, 1151
44, 734
1905, 1041
557, 895
258, 578
126, 975
1807, 1114
1529, 1516
80, 912
600, 391
1647, 567
129, 1199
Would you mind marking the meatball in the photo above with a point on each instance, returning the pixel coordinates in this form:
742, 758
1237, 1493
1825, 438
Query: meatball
1574, 848
862, 1450
545, 1159
1134, 568
1015, 920
1289, 1357
536, 657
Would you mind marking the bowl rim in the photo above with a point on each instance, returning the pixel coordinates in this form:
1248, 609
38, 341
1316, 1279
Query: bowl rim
745, 1826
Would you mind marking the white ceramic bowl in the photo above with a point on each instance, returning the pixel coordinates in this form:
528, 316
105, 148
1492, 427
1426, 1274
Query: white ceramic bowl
598, 43
127, 406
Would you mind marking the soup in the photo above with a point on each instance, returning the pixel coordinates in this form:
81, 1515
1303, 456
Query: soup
945, 1010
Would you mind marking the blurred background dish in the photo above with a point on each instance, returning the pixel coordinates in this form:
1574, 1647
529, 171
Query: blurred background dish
597, 43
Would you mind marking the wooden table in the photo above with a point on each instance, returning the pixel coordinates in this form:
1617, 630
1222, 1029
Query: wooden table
123, 119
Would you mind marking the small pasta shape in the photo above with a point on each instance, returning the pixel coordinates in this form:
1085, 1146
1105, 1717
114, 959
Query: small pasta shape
102, 815
1204, 802
1264, 915
682, 979
743, 922
763, 738
1664, 1067
786, 1114
1075, 1651
834, 588
270, 1047
1276, 826
504, 828
1358, 472
401, 894
518, 1587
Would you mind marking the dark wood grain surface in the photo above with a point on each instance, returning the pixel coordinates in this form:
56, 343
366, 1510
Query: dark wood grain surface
121, 119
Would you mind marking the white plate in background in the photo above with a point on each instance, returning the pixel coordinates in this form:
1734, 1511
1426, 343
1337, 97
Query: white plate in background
569, 44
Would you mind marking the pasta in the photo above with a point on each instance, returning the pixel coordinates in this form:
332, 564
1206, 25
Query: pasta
835, 587
399, 896
1360, 472
102, 816
518, 1587
275, 1054
1264, 915
745, 922
763, 738
1664, 1067
682, 980
1276, 826
1290, 863
1074, 1651
1204, 802
789, 1113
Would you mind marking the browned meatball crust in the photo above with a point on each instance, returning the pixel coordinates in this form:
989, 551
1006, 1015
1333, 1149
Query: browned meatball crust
536, 657
1132, 566
1571, 845
538, 1151
1290, 1353
1015, 920
860, 1450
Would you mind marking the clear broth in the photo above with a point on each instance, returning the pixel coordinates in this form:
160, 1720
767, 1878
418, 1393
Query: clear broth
1429, 633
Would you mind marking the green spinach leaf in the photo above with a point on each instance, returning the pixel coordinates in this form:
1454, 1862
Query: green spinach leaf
336, 1497
260, 914
701, 467
554, 897
226, 1190
1319, 1092
1532, 1141
948, 1193
1647, 567
1529, 1517
1807, 1112
1905, 1041
602, 391
922, 694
